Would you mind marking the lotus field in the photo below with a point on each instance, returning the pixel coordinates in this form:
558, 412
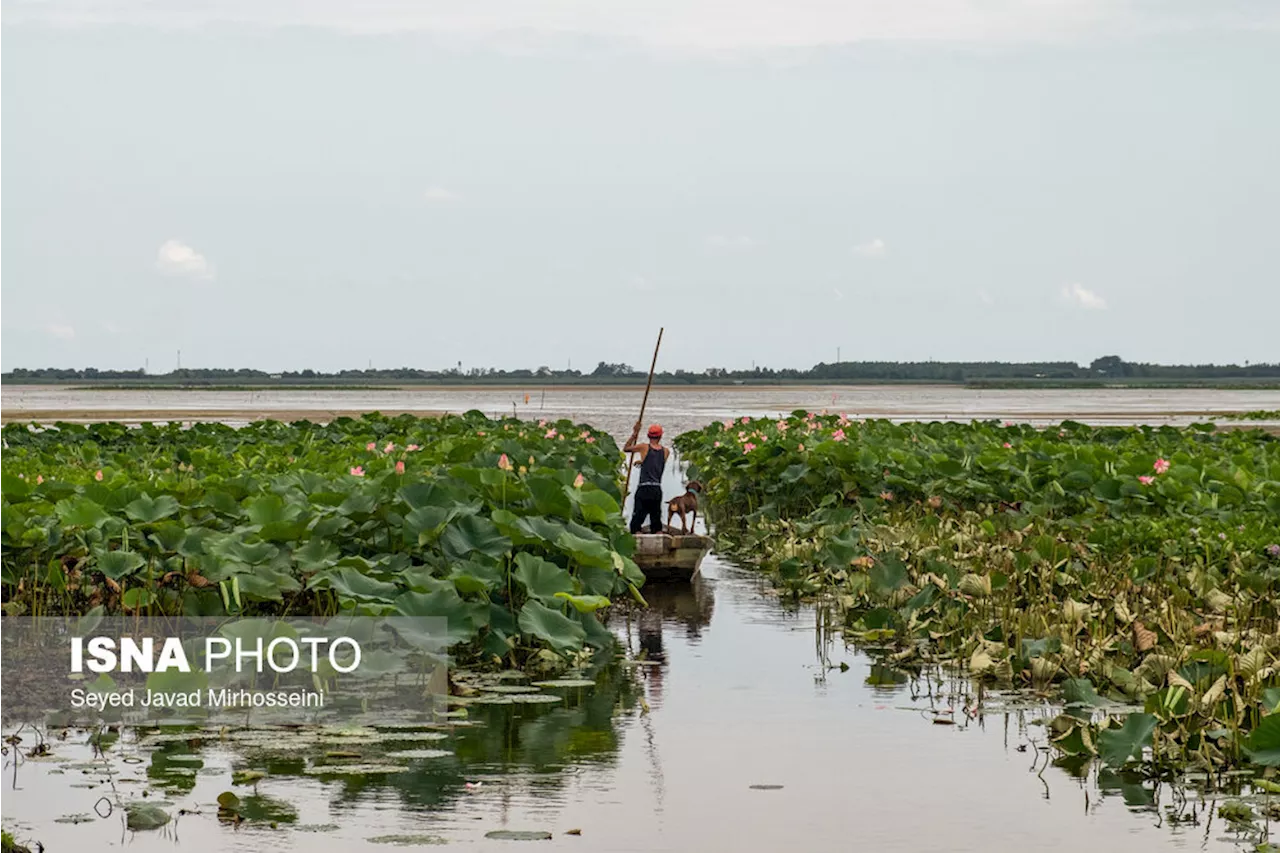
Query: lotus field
511, 530
1131, 573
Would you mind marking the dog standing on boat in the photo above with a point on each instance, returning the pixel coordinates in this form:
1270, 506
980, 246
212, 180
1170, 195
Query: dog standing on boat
686, 503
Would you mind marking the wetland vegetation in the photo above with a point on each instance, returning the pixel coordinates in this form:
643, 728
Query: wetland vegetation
1131, 573
510, 530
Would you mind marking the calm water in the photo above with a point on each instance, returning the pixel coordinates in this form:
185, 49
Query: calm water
738, 691
742, 694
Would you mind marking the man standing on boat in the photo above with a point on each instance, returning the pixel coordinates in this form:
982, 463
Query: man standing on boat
653, 461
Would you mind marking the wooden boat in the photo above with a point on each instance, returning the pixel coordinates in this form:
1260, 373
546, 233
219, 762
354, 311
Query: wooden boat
671, 556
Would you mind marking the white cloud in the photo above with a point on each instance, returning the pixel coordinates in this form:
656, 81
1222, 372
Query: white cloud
440, 194
1083, 297
176, 258
730, 242
61, 331
701, 25
875, 248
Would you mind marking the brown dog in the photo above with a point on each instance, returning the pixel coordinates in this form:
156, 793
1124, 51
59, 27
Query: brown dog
686, 503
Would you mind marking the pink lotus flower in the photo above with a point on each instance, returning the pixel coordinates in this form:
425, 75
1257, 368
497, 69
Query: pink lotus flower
1273, 550
357, 471
1161, 466
717, 444
412, 448
390, 447
584, 434
400, 467
479, 432
728, 424
748, 447
1008, 423
1007, 445
801, 448
742, 436
746, 420
591, 439
531, 459
371, 447
39, 479
551, 433
888, 496
578, 481
782, 426
843, 420
838, 435
1146, 480
98, 475
504, 463
542, 422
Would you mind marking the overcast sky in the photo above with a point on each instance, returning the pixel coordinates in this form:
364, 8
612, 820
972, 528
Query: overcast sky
314, 183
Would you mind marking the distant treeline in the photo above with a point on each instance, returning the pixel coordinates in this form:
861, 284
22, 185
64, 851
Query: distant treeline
1107, 370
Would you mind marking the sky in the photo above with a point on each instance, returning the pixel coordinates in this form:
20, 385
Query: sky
328, 184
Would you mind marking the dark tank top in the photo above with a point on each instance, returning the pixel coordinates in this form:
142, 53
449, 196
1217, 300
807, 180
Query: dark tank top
652, 466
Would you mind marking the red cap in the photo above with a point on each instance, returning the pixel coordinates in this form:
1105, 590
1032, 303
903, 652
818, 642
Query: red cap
655, 431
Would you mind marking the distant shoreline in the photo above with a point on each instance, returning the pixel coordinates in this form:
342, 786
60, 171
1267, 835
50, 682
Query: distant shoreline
614, 383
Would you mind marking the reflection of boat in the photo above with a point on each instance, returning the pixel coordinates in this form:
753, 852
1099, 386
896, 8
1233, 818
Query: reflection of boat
672, 604
664, 556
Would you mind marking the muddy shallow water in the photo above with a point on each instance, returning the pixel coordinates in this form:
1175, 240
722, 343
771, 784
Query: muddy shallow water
615, 409
742, 695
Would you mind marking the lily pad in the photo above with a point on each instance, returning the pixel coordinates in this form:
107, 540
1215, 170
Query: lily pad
565, 682
518, 835
420, 753
765, 787
407, 840
247, 777
354, 769
403, 736
140, 817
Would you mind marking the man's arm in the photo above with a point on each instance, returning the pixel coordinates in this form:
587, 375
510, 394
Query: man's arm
631, 446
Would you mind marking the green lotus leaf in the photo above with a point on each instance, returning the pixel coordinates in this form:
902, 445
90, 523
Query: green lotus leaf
557, 630
118, 564
147, 509
1117, 747
542, 579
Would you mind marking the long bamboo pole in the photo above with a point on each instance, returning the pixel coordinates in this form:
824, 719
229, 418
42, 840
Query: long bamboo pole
631, 459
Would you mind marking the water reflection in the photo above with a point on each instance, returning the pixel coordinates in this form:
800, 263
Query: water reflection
728, 723
684, 609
